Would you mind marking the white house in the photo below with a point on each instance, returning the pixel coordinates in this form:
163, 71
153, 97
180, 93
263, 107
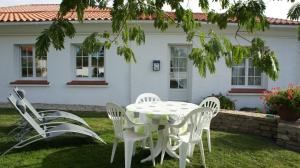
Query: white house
73, 77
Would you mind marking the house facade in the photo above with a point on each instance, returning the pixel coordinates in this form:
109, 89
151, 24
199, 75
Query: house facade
70, 76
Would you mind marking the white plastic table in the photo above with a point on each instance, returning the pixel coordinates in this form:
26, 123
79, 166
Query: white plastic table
159, 112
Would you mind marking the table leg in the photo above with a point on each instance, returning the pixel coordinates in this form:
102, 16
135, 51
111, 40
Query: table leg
162, 142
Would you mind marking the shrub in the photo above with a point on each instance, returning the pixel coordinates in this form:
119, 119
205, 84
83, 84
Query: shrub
225, 102
277, 98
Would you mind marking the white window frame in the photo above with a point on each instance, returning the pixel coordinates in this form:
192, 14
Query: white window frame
246, 78
185, 46
89, 78
34, 77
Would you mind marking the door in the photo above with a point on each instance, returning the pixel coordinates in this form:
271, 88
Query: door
179, 74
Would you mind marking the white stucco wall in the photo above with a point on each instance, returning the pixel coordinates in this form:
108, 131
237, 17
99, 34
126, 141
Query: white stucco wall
127, 81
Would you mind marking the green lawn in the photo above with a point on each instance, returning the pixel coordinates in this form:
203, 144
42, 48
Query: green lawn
228, 150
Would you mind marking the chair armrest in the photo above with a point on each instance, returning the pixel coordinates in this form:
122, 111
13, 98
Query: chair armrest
48, 111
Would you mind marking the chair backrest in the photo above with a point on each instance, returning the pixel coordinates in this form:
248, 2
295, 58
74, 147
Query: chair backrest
197, 119
20, 106
116, 114
21, 94
213, 103
147, 97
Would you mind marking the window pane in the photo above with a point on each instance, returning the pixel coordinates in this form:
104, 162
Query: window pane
234, 71
23, 51
30, 72
79, 61
24, 62
29, 51
24, 72
30, 62
101, 52
41, 62
251, 72
258, 81
250, 80
234, 80
257, 72
82, 72
173, 84
101, 62
85, 61
95, 72
182, 83
38, 72
241, 71
241, 81
94, 61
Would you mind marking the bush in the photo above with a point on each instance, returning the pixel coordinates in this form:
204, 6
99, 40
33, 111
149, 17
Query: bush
277, 98
225, 102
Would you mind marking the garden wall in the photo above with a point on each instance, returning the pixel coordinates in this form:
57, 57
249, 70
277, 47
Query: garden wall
288, 135
246, 122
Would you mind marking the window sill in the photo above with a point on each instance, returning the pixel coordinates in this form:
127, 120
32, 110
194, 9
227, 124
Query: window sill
30, 83
246, 91
87, 83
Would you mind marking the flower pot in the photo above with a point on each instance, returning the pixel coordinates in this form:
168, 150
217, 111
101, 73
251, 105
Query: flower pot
288, 114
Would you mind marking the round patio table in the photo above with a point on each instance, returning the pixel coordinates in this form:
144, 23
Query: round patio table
161, 113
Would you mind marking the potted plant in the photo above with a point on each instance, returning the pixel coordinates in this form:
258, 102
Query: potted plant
284, 102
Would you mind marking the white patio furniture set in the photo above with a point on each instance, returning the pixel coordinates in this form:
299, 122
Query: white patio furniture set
176, 121
178, 125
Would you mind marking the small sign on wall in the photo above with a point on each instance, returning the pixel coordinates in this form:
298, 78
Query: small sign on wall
156, 65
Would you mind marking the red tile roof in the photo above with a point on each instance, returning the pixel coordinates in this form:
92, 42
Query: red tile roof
48, 12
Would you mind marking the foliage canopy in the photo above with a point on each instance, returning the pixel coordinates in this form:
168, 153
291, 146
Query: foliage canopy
248, 15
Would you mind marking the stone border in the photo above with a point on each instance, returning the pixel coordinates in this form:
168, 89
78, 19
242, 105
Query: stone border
246, 122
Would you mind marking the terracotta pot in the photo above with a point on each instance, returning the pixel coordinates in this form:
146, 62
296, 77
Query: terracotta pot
288, 114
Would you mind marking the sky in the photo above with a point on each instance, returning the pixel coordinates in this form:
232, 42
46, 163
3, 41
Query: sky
275, 8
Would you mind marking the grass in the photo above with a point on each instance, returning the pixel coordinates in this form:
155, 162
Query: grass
228, 150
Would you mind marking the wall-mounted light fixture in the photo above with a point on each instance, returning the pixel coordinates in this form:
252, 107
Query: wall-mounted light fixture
156, 65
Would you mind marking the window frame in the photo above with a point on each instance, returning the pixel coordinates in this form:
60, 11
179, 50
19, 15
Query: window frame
74, 66
246, 78
19, 57
188, 48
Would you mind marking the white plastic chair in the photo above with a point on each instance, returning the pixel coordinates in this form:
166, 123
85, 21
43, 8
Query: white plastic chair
196, 121
147, 97
214, 104
143, 98
44, 130
126, 133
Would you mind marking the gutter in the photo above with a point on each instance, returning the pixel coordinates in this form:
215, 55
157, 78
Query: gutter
109, 21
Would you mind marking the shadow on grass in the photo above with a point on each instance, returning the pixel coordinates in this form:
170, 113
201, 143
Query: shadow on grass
91, 156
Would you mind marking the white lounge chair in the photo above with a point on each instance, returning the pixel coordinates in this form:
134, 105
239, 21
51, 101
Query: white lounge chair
48, 115
196, 121
44, 130
122, 132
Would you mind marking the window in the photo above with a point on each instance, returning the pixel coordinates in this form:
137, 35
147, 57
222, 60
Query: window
89, 66
178, 67
245, 74
31, 65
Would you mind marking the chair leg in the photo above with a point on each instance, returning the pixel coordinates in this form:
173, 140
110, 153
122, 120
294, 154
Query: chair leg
202, 152
114, 150
128, 152
191, 150
151, 150
208, 140
183, 154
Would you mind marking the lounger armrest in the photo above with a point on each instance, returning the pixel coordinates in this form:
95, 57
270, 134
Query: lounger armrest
48, 111
52, 123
